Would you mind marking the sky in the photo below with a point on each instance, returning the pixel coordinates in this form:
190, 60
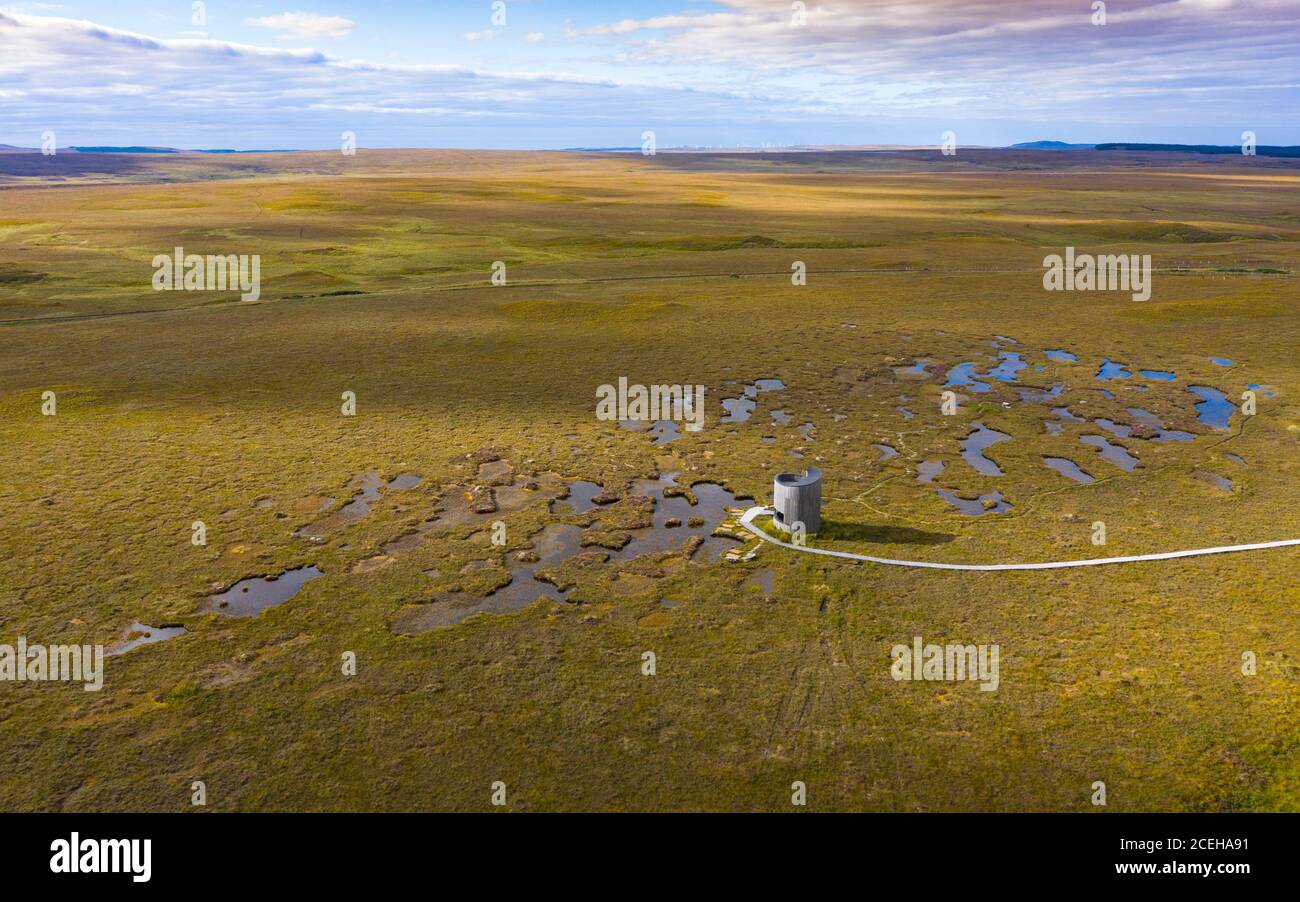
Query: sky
580, 73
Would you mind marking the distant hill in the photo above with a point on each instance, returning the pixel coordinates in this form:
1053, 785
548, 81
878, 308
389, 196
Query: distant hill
124, 149
1262, 150
1050, 145
1215, 149
11, 148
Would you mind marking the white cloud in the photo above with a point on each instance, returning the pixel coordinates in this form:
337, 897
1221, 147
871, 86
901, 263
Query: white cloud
987, 58
300, 26
486, 34
861, 72
207, 93
534, 37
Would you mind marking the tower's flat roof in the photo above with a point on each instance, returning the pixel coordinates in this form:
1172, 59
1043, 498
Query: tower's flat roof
796, 479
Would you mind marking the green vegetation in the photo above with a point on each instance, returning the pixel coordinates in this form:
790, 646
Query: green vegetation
375, 277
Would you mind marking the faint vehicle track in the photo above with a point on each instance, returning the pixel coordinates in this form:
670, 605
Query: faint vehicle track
596, 280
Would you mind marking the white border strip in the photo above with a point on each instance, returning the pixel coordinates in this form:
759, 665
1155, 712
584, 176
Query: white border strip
747, 521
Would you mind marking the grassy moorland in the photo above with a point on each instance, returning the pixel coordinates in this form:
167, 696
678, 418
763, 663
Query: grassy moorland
182, 406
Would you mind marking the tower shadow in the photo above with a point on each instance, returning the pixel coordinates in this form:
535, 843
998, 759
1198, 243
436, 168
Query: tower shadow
884, 535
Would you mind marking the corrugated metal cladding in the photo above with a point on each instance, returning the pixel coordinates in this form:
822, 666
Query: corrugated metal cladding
797, 498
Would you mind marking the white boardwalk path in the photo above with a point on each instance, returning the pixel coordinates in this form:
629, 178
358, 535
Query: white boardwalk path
747, 521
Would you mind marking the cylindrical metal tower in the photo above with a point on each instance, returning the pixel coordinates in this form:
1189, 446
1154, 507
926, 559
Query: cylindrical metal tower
797, 498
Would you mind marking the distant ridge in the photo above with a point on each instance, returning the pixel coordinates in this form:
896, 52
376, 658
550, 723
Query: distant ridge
124, 149
1051, 145
11, 148
1262, 150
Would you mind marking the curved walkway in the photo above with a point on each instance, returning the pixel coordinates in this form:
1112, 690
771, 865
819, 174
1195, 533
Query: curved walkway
747, 521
